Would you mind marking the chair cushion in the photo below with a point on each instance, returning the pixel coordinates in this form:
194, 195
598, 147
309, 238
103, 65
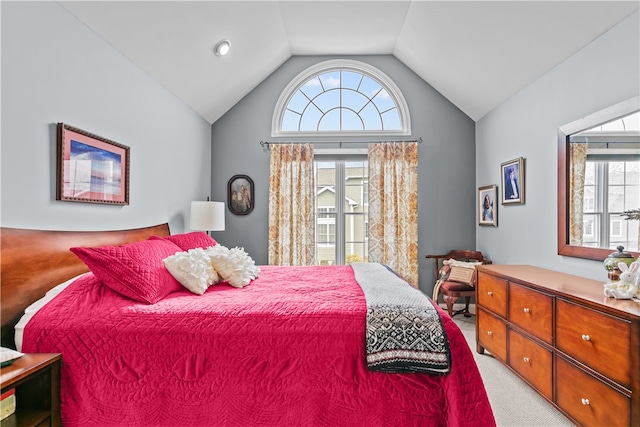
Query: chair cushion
456, 286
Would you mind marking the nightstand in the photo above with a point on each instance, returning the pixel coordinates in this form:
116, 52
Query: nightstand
36, 378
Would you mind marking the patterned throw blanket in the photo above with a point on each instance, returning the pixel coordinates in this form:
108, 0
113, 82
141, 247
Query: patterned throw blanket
404, 331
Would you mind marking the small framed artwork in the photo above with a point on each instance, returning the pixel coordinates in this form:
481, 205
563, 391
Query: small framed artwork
91, 168
512, 173
240, 195
487, 208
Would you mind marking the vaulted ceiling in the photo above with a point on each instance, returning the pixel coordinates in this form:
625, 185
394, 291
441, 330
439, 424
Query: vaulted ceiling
476, 53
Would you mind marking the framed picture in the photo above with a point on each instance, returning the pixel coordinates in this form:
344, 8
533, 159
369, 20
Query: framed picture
512, 173
487, 207
240, 195
91, 168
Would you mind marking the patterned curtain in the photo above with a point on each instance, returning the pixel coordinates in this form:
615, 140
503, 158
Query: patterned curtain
578, 153
393, 207
292, 205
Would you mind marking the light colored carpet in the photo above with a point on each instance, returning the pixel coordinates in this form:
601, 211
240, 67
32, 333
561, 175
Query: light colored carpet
514, 403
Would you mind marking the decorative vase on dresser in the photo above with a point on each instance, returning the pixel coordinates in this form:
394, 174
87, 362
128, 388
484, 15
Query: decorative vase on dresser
576, 347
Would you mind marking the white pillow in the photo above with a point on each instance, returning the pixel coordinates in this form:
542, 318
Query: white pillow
234, 265
192, 269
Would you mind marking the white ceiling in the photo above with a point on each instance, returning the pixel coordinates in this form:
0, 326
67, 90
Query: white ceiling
476, 53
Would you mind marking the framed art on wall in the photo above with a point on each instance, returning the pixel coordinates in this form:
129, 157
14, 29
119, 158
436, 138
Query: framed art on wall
487, 208
91, 168
240, 195
512, 175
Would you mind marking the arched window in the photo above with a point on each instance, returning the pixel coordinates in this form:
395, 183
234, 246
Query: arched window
341, 97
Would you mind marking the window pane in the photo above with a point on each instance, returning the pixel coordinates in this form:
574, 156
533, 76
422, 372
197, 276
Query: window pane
353, 100
354, 227
310, 119
383, 101
330, 121
328, 100
632, 197
615, 228
326, 198
351, 80
633, 173
330, 80
312, 88
371, 117
325, 174
351, 121
290, 121
369, 87
616, 173
356, 252
591, 235
616, 198
590, 174
589, 199
297, 102
391, 120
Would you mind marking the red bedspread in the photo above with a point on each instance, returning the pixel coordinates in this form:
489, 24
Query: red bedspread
287, 350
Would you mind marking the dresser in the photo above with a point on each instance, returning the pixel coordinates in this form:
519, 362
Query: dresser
577, 348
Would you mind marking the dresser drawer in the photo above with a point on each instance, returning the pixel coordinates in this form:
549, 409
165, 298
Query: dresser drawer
492, 293
532, 311
588, 400
595, 339
492, 334
532, 361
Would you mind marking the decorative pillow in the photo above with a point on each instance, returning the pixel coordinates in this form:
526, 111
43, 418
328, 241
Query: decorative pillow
461, 271
134, 270
186, 241
461, 275
233, 265
192, 269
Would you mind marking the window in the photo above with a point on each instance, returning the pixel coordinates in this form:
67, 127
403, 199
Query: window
610, 189
341, 97
341, 211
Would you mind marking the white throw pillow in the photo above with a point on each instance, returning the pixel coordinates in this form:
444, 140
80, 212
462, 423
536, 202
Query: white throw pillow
192, 269
233, 265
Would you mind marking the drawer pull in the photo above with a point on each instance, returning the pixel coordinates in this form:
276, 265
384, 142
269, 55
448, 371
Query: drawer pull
586, 337
526, 360
585, 402
489, 293
489, 333
527, 310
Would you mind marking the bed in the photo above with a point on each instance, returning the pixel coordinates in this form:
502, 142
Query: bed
291, 348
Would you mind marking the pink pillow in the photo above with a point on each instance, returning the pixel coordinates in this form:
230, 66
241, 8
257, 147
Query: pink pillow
186, 241
135, 270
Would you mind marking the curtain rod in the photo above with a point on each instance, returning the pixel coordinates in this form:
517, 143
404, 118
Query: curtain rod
267, 143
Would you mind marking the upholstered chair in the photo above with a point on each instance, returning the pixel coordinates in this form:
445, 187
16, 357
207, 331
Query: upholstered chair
455, 276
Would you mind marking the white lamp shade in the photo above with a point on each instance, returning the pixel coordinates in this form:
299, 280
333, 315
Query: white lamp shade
207, 216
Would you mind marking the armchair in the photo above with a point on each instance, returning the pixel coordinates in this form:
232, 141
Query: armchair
455, 277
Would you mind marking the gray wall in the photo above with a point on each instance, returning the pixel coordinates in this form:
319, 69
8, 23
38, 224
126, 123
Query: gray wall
603, 73
54, 69
446, 170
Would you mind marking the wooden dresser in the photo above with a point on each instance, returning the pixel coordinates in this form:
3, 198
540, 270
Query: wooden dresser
558, 332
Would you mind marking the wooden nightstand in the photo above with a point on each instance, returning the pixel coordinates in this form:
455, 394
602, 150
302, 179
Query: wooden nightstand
36, 378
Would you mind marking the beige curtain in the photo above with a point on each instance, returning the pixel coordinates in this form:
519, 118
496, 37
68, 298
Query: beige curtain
393, 207
578, 153
291, 205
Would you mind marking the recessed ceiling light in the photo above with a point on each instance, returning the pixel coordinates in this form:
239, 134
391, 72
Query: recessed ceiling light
222, 47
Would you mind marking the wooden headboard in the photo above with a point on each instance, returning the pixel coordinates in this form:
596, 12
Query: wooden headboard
34, 261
